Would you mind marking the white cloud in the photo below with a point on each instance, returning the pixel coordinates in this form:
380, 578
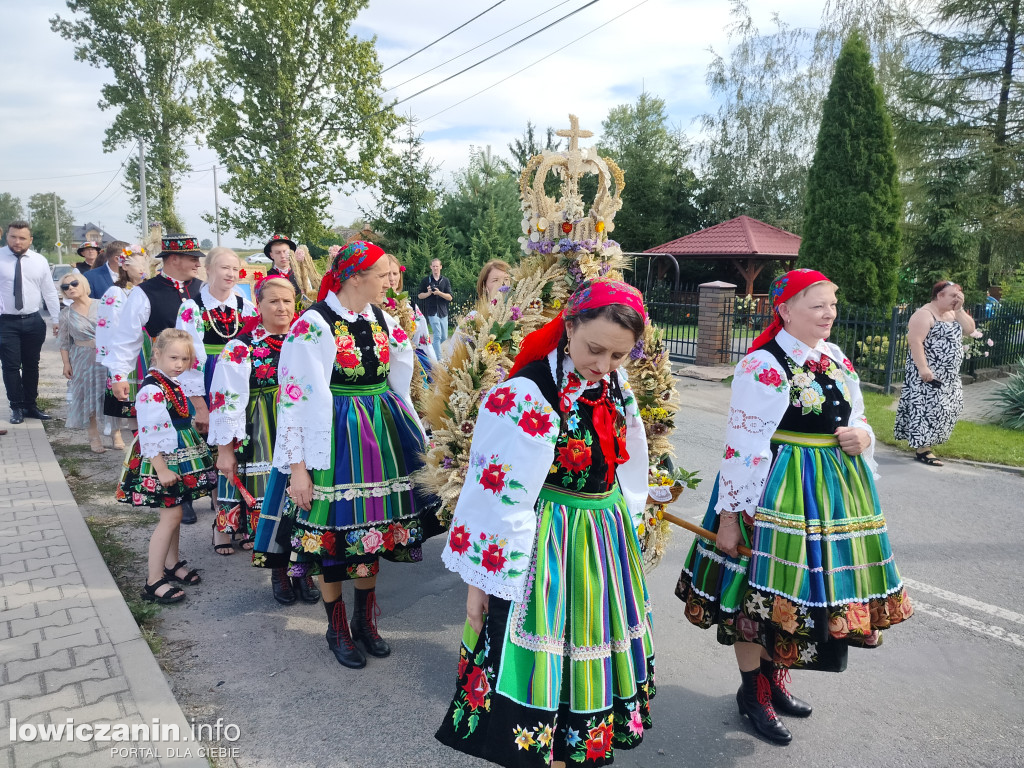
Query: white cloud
53, 127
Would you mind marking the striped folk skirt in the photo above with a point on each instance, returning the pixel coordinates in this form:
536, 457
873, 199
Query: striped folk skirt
364, 504
239, 512
140, 486
568, 673
821, 576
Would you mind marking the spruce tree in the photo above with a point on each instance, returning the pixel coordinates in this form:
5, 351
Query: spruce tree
851, 220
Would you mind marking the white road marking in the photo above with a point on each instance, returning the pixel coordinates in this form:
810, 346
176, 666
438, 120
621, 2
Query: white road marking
964, 602
973, 624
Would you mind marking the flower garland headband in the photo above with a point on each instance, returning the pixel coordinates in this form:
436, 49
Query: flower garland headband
590, 295
354, 257
129, 252
783, 289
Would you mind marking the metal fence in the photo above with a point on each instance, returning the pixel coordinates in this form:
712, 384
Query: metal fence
675, 311
877, 343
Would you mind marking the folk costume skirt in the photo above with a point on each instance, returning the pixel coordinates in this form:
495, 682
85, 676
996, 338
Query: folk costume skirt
238, 512
821, 576
568, 673
364, 505
140, 486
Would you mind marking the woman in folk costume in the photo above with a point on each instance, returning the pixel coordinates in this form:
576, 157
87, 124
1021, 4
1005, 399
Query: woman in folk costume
396, 303
557, 661
349, 439
799, 468
243, 424
133, 266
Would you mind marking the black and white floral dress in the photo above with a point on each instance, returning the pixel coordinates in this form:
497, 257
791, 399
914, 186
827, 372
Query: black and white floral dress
926, 414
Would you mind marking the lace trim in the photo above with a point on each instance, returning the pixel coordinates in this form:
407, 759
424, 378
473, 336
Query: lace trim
848, 535
302, 444
846, 601
511, 589
378, 524
351, 491
223, 430
173, 454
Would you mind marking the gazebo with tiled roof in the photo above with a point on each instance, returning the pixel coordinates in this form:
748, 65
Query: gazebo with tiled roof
748, 243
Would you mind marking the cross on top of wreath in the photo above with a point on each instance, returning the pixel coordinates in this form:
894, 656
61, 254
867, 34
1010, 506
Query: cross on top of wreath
574, 133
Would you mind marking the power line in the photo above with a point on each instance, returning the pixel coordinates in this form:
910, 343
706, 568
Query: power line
52, 178
481, 45
535, 63
498, 53
123, 164
442, 37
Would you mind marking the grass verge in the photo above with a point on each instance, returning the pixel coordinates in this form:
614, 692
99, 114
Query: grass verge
976, 442
125, 566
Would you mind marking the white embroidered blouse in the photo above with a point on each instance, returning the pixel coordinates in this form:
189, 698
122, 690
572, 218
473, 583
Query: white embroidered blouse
760, 397
512, 452
107, 314
190, 318
304, 423
156, 432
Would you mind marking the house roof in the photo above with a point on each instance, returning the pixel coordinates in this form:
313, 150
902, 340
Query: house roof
742, 236
78, 233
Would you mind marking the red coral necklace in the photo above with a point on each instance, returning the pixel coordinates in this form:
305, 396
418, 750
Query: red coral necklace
229, 320
172, 392
599, 398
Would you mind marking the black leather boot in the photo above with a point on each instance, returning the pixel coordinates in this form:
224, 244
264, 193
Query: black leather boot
188, 514
306, 589
784, 701
364, 624
282, 585
755, 701
338, 638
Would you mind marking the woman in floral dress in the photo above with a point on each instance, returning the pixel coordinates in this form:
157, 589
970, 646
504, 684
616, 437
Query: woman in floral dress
557, 659
798, 466
243, 423
348, 440
133, 266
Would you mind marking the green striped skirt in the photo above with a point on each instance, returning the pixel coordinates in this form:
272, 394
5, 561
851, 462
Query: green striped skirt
821, 575
235, 513
568, 673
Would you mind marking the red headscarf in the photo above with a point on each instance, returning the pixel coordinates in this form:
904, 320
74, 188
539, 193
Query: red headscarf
354, 257
783, 289
591, 295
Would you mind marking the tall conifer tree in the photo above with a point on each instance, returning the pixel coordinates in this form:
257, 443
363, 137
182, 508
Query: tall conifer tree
851, 230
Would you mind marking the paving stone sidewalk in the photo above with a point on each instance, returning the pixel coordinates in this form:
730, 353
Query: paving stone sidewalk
69, 647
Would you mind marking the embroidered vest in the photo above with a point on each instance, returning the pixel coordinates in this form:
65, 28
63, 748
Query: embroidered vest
818, 394
165, 301
357, 361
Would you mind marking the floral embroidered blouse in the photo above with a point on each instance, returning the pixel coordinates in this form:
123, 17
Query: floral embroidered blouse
764, 395
246, 364
157, 415
317, 353
517, 448
194, 317
107, 314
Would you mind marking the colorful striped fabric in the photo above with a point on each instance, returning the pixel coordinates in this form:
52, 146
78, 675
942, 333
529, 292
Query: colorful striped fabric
254, 464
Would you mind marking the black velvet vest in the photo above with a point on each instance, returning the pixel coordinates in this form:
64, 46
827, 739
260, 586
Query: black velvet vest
835, 409
165, 301
370, 370
210, 336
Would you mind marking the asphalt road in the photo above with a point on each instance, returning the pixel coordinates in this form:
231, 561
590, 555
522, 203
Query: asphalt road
946, 688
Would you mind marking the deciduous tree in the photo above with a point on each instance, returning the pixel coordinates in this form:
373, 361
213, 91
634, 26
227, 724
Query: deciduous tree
41, 216
10, 209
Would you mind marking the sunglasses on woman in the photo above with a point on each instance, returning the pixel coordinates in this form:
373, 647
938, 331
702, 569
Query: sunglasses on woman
72, 284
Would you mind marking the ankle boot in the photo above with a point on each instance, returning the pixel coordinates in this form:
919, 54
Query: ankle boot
364, 624
755, 701
338, 638
306, 589
283, 592
782, 699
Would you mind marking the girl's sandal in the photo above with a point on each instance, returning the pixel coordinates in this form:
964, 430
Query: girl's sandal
224, 550
245, 542
172, 595
190, 579
929, 458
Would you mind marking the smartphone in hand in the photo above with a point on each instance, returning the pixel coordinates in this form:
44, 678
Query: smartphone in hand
934, 383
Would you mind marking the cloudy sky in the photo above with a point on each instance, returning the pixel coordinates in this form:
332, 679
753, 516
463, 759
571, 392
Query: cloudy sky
52, 132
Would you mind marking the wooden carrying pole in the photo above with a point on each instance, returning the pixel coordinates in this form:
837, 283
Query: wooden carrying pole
704, 533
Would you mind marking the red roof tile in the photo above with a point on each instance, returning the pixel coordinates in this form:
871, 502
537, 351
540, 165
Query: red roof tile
742, 236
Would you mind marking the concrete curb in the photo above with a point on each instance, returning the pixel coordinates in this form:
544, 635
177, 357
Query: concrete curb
149, 686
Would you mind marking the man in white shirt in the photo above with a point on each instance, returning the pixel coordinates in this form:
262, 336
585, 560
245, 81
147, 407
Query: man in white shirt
25, 285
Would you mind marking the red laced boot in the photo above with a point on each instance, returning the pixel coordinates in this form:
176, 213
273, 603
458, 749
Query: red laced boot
364, 624
784, 701
338, 638
755, 701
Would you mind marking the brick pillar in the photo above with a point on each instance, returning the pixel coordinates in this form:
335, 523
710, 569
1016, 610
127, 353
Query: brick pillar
714, 323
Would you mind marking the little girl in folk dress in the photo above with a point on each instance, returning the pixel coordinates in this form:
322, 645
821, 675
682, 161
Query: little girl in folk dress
167, 463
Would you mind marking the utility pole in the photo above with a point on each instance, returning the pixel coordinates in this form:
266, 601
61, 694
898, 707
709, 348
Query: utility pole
216, 206
56, 231
142, 189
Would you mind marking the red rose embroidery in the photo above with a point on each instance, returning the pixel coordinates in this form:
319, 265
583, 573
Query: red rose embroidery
217, 401
327, 542
769, 377
347, 360
238, 353
190, 481
463, 663
600, 742
848, 365
458, 540
265, 371
389, 538
493, 478
384, 354
158, 397
729, 451
501, 401
301, 327
135, 463
535, 423
575, 456
399, 335
476, 688
493, 558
